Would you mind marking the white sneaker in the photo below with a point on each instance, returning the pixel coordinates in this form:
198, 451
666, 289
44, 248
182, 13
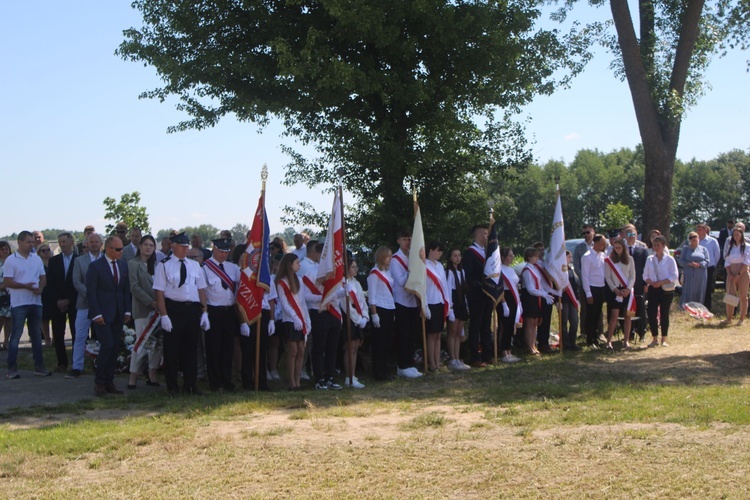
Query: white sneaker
453, 365
510, 359
408, 372
274, 376
356, 384
304, 376
462, 366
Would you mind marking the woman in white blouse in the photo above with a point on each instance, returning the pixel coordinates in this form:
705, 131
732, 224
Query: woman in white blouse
532, 295
438, 302
736, 262
358, 317
512, 309
660, 274
619, 274
382, 311
456, 279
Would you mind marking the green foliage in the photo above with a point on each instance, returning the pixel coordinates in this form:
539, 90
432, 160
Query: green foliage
395, 94
617, 215
239, 232
207, 232
127, 210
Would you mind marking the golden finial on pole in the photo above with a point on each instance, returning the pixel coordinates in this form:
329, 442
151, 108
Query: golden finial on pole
264, 175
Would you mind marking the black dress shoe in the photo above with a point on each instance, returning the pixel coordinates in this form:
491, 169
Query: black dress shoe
100, 389
151, 383
111, 389
131, 387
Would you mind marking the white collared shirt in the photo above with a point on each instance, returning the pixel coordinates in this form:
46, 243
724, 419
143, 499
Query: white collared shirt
216, 294
592, 270
167, 280
435, 294
24, 270
378, 293
400, 273
659, 270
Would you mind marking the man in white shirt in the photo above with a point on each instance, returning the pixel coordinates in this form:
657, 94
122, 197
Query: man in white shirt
24, 278
407, 312
711, 245
592, 279
300, 246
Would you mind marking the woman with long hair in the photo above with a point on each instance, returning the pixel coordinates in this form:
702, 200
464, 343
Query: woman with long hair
456, 280
619, 275
382, 311
736, 262
438, 303
295, 319
141, 275
512, 308
358, 317
532, 295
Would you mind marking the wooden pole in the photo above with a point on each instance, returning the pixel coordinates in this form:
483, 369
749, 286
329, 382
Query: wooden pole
419, 301
346, 272
263, 177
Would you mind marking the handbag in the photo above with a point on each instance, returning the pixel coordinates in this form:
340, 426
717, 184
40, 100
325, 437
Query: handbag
732, 300
667, 287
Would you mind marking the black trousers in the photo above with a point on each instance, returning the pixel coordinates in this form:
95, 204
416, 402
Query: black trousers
542, 331
110, 342
181, 344
594, 314
408, 323
247, 347
506, 325
325, 332
220, 346
480, 336
381, 343
639, 326
659, 303
58, 333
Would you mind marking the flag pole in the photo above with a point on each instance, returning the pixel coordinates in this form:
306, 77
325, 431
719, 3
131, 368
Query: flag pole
421, 309
494, 305
259, 323
341, 173
559, 303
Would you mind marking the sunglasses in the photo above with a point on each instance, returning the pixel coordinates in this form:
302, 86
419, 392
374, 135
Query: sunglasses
45, 250
116, 249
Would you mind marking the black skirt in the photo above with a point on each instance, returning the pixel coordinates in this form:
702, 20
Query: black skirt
532, 307
459, 307
436, 323
290, 334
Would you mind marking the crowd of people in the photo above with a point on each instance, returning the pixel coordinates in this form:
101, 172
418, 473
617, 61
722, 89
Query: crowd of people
181, 300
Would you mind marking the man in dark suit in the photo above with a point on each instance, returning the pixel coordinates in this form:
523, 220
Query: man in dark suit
637, 250
724, 235
64, 295
480, 305
108, 294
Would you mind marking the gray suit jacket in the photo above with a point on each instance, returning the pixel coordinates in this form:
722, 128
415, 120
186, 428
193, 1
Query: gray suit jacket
80, 267
141, 288
128, 253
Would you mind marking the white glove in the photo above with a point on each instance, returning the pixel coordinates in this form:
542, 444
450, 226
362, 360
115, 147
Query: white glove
362, 323
166, 323
298, 324
549, 300
271, 327
245, 330
427, 314
506, 309
205, 324
451, 317
375, 320
341, 292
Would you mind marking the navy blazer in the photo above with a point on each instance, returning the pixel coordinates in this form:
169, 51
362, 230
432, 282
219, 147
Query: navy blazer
61, 284
104, 298
640, 255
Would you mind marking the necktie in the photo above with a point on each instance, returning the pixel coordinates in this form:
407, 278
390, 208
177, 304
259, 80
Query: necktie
114, 270
183, 272
631, 250
223, 283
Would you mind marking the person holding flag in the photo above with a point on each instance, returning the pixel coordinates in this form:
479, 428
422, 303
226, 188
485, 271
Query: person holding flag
255, 298
480, 307
407, 311
533, 296
438, 302
619, 274
493, 287
512, 308
416, 283
328, 325
358, 317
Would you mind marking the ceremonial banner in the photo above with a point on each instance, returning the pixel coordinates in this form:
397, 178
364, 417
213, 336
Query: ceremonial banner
255, 277
492, 284
331, 268
416, 283
557, 262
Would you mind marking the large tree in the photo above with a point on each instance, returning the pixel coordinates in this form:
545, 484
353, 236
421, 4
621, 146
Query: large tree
664, 63
395, 93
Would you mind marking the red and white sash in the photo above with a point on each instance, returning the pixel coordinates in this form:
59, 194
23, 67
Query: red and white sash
355, 303
572, 296
479, 255
514, 293
536, 284
401, 261
545, 275
221, 274
439, 286
152, 324
311, 286
630, 311
382, 278
292, 299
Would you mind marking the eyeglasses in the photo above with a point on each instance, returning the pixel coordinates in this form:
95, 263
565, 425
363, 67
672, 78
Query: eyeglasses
116, 249
193, 257
693, 237
629, 234
45, 250
587, 232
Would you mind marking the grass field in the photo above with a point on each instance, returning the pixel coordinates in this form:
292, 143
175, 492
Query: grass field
662, 422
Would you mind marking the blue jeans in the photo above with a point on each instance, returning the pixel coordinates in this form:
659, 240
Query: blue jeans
21, 315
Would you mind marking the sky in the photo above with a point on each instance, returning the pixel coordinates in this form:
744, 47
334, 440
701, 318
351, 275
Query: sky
74, 131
